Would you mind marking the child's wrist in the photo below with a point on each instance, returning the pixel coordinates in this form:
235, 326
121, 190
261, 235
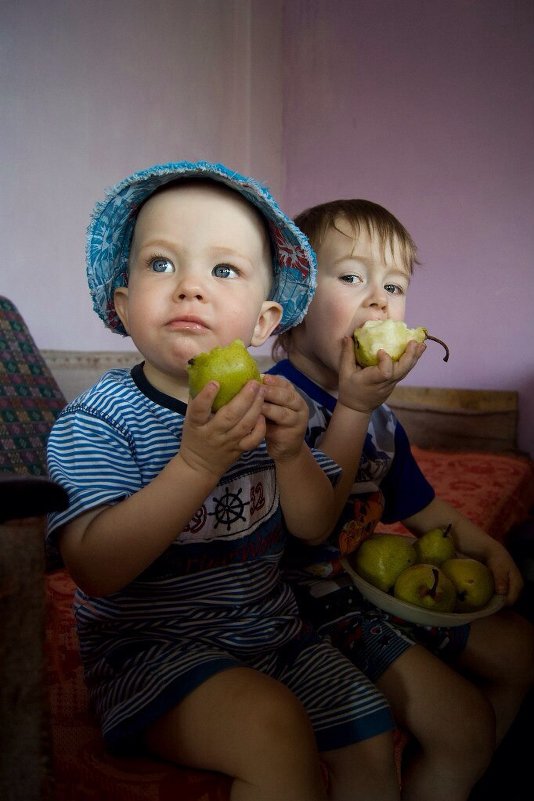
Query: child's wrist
353, 408
290, 456
193, 467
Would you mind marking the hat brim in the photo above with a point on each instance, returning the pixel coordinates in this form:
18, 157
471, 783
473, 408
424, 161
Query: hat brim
113, 221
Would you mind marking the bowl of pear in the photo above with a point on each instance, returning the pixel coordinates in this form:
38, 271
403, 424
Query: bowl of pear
431, 585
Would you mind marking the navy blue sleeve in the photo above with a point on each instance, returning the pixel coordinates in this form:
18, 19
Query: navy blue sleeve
406, 490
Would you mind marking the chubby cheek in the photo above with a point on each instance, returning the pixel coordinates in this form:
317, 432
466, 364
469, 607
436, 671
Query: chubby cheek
324, 334
397, 308
138, 315
336, 318
144, 305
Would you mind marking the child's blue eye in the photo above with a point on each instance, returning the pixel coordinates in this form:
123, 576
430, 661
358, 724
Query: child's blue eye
351, 279
162, 265
224, 271
393, 289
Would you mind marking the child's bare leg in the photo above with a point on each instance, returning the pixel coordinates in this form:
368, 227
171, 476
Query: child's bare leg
364, 771
250, 727
499, 656
452, 722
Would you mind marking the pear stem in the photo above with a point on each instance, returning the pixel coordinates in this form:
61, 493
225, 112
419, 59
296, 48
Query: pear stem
432, 591
446, 531
442, 343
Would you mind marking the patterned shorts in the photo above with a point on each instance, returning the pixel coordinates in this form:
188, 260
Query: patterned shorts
371, 638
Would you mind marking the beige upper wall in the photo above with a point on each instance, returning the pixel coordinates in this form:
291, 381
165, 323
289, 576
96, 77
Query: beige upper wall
93, 91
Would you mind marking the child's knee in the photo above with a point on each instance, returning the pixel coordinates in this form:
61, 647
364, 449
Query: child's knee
372, 761
458, 723
467, 738
501, 650
521, 661
476, 726
280, 717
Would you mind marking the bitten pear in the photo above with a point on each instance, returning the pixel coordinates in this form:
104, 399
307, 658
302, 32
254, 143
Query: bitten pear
231, 366
389, 335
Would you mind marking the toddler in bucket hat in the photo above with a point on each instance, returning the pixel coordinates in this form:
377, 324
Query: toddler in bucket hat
179, 513
113, 221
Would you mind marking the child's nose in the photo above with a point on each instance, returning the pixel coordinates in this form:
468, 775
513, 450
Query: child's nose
377, 297
189, 286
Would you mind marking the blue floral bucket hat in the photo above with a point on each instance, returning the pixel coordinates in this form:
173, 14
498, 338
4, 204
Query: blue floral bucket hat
110, 234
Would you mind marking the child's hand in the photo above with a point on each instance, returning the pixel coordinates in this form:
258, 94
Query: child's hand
364, 389
506, 575
213, 442
286, 416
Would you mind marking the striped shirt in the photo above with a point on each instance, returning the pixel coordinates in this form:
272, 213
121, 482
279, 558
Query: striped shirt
219, 582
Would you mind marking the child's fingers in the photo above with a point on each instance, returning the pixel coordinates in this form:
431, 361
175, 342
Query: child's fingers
279, 414
280, 392
396, 371
283, 407
347, 360
386, 365
252, 438
411, 356
501, 578
515, 586
199, 407
238, 416
243, 410
270, 380
507, 578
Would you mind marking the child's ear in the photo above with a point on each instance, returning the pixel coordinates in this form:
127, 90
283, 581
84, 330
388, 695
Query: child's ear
120, 300
268, 318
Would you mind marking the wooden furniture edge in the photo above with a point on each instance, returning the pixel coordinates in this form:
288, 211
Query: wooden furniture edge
440, 418
447, 400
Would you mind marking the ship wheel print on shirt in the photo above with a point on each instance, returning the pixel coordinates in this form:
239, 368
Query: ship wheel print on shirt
230, 507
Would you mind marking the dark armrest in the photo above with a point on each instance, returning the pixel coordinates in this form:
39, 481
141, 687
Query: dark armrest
29, 496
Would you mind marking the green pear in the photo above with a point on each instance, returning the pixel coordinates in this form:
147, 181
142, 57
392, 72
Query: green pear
426, 586
435, 546
473, 581
231, 366
383, 557
389, 335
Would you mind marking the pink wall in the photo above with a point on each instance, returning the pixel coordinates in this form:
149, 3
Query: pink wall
428, 108
90, 92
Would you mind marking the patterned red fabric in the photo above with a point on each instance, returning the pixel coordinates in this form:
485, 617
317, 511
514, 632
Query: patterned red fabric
82, 769
495, 491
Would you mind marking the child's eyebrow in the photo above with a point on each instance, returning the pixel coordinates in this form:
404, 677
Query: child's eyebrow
155, 241
351, 258
344, 261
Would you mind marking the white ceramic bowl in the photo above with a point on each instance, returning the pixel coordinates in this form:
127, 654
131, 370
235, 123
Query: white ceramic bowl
417, 614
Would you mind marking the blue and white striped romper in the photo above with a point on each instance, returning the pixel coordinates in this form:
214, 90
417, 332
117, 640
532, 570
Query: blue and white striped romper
214, 599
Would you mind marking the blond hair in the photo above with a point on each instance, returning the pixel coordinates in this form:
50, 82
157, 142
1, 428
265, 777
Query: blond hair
316, 221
